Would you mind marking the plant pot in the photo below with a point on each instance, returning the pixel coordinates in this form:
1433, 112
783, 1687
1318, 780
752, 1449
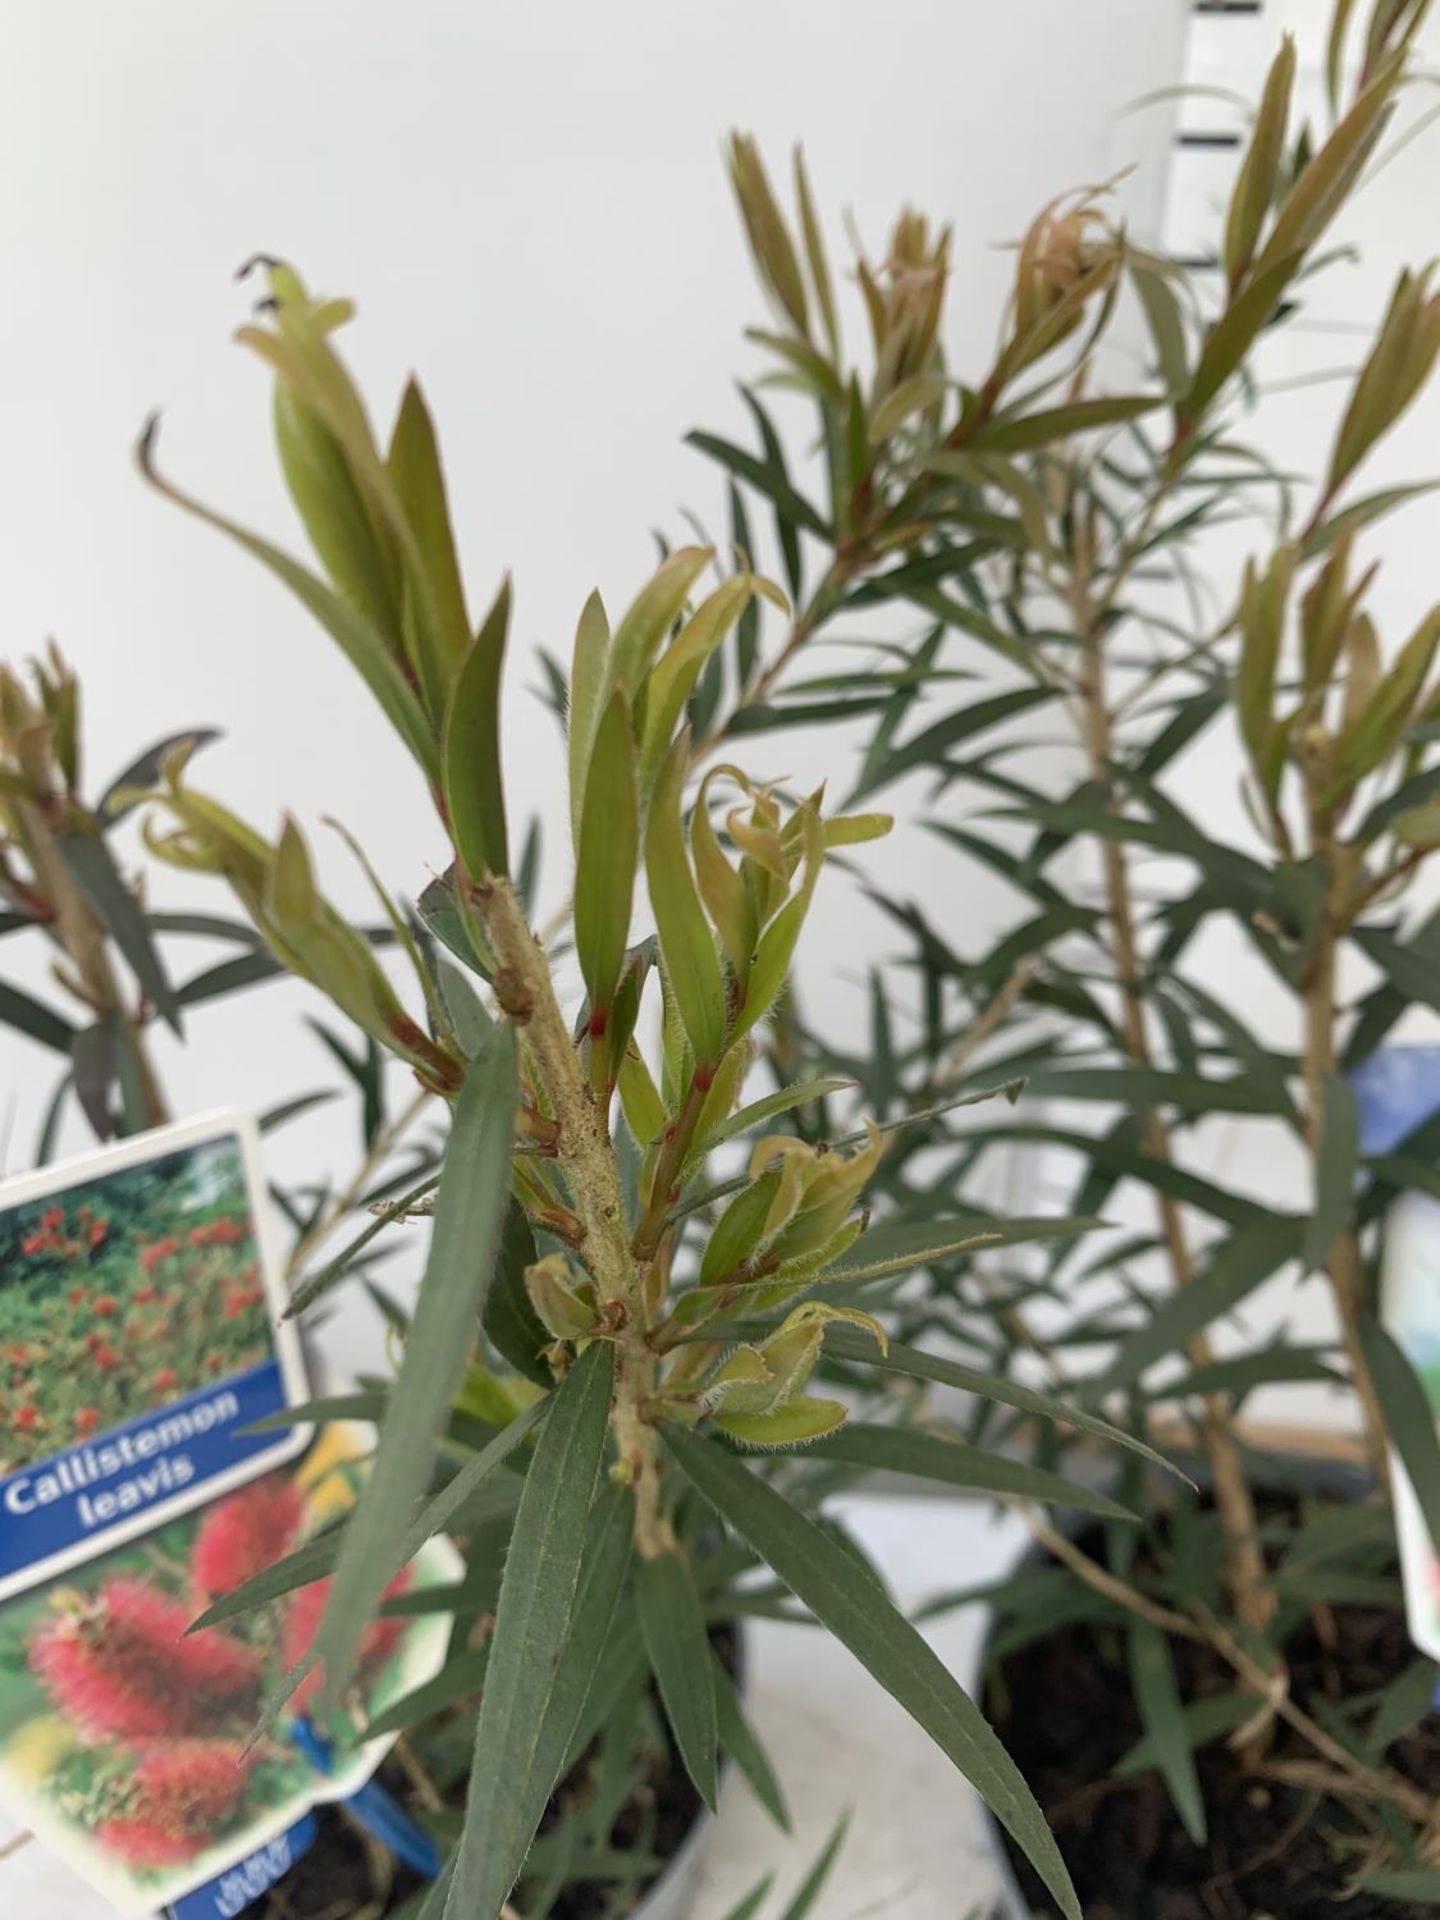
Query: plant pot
1010, 1902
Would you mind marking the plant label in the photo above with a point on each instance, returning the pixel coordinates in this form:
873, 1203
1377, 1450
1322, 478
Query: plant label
140, 1339
1397, 1091
129, 1743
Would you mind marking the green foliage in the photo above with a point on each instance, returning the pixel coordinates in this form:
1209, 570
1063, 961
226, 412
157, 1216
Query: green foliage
1051, 545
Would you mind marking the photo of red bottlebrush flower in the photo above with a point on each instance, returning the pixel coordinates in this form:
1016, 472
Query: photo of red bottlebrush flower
122, 1664
243, 1535
129, 1742
128, 1290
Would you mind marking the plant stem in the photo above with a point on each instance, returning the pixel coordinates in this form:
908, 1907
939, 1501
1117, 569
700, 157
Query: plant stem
587, 1156
1250, 1592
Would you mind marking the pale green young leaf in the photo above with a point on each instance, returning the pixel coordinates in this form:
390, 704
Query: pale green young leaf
687, 946
589, 693
652, 613
418, 478
609, 849
474, 788
366, 648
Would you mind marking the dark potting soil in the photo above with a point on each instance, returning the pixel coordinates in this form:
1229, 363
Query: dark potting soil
347, 1876
1064, 1707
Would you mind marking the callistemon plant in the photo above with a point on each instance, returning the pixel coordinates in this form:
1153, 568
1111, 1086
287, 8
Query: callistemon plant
1031, 518
603, 1284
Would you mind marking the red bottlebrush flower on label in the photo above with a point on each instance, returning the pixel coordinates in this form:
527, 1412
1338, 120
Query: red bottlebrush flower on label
87, 1419
103, 1306
97, 1231
145, 1843
77, 1294
245, 1534
302, 1623
144, 1295
178, 1796
53, 1219
123, 1667
34, 1243
104, 1356
166, 1380
27, 1418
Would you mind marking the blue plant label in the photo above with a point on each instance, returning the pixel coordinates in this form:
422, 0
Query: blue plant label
240, 1886
140, 1340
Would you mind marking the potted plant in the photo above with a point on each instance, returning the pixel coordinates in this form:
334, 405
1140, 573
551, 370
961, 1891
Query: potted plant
635, 1267
1229, 1696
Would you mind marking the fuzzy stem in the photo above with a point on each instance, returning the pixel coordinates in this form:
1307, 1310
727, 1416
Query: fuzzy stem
1253, 1598
585, 1152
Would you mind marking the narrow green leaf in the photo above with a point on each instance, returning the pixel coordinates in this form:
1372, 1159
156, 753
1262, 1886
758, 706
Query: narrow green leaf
1416, 1886
758, 1111
91, 866
844, 1598
418, 477
127, 790
929, 1457
1157, 1695
1202, 1721
474, 789
673, 678
1335, 1164
589, 688
650, 616
677, 1644
33, 1018
753, 1901
365, 648
687, 946
1409, 1417
609, 848
1240, 1264
813, 1885
511, 1324
930, 748
1028, 431
741, 1742
469, 1214
1235, 332
847, 1343
532, 1626
793, 509
1361, 513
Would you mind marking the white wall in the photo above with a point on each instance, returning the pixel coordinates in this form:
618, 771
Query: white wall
530, 205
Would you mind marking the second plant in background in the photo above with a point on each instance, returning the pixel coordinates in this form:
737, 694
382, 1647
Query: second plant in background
1037, 517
